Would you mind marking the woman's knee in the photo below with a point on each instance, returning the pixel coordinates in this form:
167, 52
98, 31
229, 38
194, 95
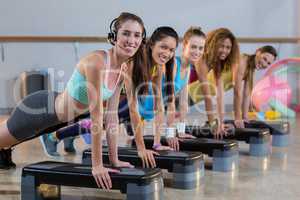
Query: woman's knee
6, 138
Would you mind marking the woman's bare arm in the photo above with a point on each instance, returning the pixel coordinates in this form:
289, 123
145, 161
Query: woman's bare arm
246, 100
183, 101
220, 98
238, 74
112, 124
94, 66
159, 105
239, 90
137, 124
202, 71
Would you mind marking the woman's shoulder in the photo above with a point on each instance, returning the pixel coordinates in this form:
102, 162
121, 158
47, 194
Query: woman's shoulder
241, 67
98, 54
244, 56
93, 59
244, 59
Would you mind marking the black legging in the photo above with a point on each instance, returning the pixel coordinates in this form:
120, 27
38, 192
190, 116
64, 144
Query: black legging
58, 127
73, 128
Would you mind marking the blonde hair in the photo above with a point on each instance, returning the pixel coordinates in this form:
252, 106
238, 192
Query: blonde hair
192, 31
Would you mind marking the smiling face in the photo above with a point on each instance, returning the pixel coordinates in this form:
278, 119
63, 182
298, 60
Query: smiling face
224, 49
194, 48
129, 38
163, 50
263, 60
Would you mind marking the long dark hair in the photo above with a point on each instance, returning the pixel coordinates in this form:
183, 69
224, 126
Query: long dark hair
140, 74
159, 34
250, 68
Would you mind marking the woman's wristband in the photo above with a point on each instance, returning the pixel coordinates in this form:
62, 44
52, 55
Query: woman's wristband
86, 123
156, 146
180, 126
170, 132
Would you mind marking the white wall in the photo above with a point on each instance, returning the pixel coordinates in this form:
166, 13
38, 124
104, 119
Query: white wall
252, 18
92, 17
297, 26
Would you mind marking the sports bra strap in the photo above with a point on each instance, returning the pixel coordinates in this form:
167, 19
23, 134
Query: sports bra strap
105, 82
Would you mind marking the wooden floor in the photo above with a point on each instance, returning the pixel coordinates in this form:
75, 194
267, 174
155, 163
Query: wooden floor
274, 177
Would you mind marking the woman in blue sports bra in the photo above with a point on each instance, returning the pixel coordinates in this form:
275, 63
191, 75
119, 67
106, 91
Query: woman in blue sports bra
97, 77
160, 50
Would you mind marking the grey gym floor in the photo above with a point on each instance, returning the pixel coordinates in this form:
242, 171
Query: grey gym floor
274, 177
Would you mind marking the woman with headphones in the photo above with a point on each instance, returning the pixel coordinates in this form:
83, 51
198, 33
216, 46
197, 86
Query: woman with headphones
98, 77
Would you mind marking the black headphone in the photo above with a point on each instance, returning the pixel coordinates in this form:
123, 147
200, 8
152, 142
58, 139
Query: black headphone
112, 35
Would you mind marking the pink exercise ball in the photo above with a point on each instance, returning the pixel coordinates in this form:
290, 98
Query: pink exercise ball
270, 87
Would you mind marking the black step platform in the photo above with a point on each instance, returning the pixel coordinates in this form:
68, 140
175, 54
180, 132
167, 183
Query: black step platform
258, 139
279, 130
224, 153
136, 183
185, 166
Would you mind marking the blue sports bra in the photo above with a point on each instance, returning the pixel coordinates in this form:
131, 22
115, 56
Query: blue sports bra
146, 103
77, 88
179, 83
